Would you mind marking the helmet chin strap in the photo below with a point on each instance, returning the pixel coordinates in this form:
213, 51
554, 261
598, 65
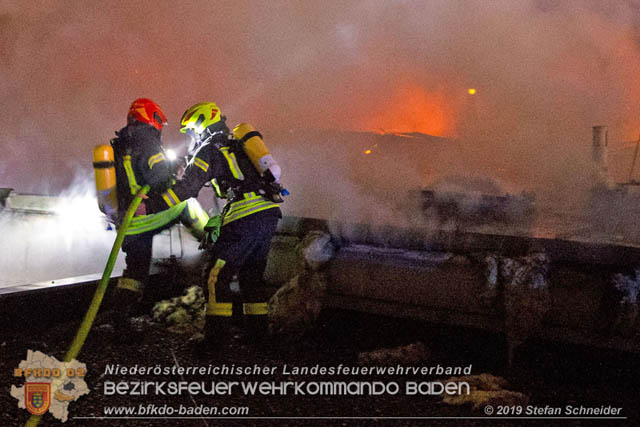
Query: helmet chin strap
207, 135
210, 134
220, 129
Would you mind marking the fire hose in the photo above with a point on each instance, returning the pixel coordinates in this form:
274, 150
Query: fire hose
89, 317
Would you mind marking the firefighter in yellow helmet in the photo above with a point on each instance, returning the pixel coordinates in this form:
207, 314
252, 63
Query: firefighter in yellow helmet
140, 159
240, 237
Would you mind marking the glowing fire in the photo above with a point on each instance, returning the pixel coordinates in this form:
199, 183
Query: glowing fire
411, 108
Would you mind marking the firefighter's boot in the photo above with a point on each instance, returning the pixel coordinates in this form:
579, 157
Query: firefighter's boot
127, 297
256, 330
217, 333
255, 325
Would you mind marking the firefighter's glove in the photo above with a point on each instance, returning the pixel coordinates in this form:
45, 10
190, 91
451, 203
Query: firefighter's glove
273, 191
211, 232
142, 209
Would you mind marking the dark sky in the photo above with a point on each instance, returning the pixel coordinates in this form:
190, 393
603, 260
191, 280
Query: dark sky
545, 72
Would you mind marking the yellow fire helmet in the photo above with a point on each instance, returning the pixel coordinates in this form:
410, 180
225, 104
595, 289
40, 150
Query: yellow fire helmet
200, 116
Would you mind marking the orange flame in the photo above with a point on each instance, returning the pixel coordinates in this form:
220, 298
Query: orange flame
411, 108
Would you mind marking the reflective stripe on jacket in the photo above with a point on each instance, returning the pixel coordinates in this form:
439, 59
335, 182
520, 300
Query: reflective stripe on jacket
215, 161
140, 160
249, 204
143, 223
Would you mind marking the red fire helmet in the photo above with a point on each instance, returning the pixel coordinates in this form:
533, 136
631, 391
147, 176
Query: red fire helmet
146, 111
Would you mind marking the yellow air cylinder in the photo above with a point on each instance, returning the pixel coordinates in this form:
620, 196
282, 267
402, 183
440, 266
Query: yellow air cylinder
256, 150
105, 172
253, 144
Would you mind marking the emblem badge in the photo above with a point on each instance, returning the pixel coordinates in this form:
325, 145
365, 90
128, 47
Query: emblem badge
37, 397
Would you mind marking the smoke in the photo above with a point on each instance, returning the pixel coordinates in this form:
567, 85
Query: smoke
352, 176
545, 72
72, 240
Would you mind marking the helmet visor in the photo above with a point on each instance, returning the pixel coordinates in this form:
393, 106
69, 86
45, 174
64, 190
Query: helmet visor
190, 132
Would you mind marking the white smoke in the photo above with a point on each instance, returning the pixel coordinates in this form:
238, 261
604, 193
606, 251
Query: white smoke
71, 240
545, 72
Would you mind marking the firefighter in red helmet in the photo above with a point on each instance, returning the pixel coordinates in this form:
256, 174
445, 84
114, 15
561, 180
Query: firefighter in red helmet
140, 160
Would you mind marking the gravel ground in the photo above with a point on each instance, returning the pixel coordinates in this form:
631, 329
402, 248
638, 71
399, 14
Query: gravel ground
549, 374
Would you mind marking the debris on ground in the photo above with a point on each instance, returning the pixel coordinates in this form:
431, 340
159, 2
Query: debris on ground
295, 307
486, 389
411, 354
340, 338
183, 314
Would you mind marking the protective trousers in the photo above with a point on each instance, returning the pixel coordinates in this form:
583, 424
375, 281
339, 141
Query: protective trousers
138, 251
240, 252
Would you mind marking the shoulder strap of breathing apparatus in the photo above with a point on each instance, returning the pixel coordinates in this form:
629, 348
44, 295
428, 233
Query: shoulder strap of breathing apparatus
123, 150
237, 180
121, 143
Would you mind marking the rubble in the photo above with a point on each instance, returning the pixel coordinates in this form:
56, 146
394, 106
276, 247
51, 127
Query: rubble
294, 308
486, 389
183, 314
411, 354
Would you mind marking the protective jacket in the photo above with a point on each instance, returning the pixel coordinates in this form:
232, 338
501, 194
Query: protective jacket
140, 160
221, 161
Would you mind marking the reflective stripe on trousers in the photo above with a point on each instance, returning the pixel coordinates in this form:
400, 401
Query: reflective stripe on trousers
255, 308
215, 308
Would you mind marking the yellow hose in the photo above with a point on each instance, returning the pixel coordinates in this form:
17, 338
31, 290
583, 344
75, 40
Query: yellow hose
87, 322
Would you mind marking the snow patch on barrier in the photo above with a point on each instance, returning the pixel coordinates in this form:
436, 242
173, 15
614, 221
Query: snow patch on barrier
424, 256
523, 284
317, 248
629, 286
627, 316
529, 272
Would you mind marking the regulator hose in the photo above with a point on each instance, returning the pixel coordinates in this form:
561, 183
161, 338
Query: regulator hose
89, 317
